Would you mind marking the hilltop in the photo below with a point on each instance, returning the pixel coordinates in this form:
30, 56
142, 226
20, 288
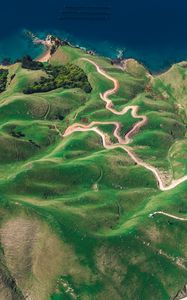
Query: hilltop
88, 212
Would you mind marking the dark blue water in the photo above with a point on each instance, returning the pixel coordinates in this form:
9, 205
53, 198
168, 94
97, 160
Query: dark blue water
153, 31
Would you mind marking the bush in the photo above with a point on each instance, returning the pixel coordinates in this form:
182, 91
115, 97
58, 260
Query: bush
28, 63
69, 76
3, 79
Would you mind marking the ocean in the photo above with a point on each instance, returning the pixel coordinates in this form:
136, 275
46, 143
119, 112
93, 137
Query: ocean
152, 31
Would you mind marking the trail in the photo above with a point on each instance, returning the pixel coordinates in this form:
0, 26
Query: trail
122, 142
168, 215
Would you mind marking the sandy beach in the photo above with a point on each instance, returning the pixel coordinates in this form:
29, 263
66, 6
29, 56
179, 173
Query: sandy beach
45, 56
47, 53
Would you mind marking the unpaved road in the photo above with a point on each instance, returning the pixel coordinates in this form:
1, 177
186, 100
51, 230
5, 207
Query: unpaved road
122, 142
168, 215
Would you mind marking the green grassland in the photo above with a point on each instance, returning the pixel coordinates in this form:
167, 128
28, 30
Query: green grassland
74, 217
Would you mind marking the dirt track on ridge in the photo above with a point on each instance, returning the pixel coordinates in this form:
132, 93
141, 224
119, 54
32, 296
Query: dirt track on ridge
122, 142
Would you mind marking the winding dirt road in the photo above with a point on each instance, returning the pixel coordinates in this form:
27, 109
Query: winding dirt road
122, 142
168, 215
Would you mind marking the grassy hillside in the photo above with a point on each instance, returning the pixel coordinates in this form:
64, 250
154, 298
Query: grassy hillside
75, 216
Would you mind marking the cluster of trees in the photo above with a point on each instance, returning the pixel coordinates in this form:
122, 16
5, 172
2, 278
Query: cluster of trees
3, 79
68, 76
28, 63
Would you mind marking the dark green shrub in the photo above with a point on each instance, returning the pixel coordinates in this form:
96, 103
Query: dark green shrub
68, 76
3, 79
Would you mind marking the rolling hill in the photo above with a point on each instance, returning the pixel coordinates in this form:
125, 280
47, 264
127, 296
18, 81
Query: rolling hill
88, 212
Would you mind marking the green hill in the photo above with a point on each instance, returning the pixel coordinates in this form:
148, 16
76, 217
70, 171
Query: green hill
74, 215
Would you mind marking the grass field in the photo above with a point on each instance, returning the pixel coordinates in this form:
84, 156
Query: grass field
74, 216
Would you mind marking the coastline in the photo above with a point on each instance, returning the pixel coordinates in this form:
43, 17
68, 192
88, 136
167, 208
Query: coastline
121, 64
51, 43
46, 55
26, 44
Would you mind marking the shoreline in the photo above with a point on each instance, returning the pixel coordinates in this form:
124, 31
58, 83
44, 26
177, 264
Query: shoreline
46, 55
43, 54
51, 44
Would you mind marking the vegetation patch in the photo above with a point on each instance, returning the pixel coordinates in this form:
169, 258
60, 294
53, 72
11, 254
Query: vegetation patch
28, 63
3, 79
66, 76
